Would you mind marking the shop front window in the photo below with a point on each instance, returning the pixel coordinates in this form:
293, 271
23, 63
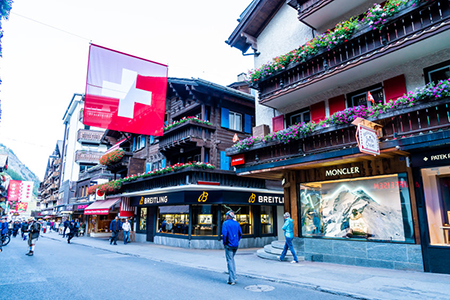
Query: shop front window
371, 208
143, 219
436, 186
243, 215
204, 220
173, 219
266, 219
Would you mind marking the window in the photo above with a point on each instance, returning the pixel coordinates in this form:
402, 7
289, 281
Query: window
360, 97
138, 142
143, 219
173, 219
437, 72
267, 219
85, 167
370, 208
205, 220
235, 120
299, 117
243, 215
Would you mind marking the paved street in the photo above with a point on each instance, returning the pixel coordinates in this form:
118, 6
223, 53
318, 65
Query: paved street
79, 271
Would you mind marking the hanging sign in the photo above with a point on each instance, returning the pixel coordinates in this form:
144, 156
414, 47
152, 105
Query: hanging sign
367, 135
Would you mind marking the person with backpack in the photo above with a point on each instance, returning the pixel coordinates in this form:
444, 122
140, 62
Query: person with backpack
231, 234
24, 228
34, 229
66, 226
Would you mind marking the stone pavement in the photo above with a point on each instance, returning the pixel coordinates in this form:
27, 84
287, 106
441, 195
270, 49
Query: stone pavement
353, 281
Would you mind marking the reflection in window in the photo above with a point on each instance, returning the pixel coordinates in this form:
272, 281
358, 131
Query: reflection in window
173, 219
266, 219
373, 208
243, 216
204, 220
436, 186
143, 219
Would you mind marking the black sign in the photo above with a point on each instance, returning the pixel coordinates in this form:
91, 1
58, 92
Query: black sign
431, 158
158, 199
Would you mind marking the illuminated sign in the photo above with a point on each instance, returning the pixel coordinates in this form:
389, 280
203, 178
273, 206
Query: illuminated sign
237, 160
203, 197
342, 171
154, 200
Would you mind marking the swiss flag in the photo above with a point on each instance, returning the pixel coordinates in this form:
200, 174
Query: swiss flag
370, 97
124, 92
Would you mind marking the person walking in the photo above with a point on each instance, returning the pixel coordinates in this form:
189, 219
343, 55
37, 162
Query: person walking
288, 228
231, 234
16, 227
115, 227
24, 228
3, 228
71, 231
126, 231
34, 229
76, 224
66, 226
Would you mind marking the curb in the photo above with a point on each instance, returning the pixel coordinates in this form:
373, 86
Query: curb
317, 288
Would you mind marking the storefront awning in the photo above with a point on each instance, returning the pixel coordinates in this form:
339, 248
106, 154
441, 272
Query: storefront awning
100, 207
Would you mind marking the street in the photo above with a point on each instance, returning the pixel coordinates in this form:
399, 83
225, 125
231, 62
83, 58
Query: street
73, 271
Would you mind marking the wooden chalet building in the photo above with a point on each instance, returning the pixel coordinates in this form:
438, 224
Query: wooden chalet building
181, 184
389, 209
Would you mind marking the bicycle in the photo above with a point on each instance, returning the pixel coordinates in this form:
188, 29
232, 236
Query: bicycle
6, 238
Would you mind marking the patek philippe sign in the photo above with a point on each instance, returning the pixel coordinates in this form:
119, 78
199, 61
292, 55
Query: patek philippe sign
368, 140
437, 157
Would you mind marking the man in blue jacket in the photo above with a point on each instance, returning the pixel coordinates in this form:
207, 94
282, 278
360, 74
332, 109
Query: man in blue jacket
115, 227
231, 234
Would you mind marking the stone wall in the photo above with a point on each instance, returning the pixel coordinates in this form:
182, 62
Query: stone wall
361, 253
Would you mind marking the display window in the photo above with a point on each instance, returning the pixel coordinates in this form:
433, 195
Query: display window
267, 219
243, 214
204, 220
173, 219
436, 186
143, 219
370, 208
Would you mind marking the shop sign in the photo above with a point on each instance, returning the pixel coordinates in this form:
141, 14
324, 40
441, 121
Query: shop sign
237, 160
429, 158
253, 198
368, 140
157, 199
342, 171
81, 206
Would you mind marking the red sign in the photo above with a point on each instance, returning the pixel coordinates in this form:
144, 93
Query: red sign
22, 206
238, 160
14, 190
124, 92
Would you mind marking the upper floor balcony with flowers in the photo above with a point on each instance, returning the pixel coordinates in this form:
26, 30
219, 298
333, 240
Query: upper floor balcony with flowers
89, 136
399, 32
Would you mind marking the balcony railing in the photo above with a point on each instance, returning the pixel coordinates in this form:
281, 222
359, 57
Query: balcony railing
83, 156
424, 118
188, 132
410, 26
191, 176
89, 136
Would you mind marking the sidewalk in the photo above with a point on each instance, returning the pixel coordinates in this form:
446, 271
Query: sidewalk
356, 282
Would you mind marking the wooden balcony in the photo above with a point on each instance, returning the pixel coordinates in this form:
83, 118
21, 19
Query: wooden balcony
413, 33
315, 13
83, 156
189, 133
89, 136
404, 129
190, 176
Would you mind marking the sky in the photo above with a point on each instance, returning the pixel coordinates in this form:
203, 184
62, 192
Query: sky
45, 52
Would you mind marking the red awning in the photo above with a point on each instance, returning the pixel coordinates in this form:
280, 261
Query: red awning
125, 209
100, 207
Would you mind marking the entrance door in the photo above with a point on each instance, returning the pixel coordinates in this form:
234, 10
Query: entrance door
436, 211
151, 220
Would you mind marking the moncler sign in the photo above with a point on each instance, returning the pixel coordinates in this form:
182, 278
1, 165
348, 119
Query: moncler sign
342, 171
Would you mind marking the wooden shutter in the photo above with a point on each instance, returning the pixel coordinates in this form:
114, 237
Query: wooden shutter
134, 144
148, 167
224, 161
278, 123
248, 124
318, 112
163, 163
336, 104
225, 118
394, 87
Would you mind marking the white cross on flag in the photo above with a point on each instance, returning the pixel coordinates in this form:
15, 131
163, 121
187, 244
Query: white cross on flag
124, 92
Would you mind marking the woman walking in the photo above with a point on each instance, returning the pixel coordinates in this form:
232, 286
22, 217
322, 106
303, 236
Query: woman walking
288, 228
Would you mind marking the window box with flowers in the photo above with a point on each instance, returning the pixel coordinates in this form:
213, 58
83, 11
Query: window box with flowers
190, 119
112, 157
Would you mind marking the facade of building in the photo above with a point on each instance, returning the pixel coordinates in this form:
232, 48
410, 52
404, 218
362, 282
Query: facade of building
388, 64
181, 184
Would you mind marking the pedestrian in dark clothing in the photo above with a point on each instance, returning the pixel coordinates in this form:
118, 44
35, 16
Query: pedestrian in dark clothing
16, 227
71, 231
66, 226
34, 229
115, 227
77, 227
24, 228
231, 234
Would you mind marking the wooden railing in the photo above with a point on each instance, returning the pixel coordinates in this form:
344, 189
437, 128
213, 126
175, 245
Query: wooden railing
185, 132
87, 156
86, 135
191, 176
423, 118
406, 23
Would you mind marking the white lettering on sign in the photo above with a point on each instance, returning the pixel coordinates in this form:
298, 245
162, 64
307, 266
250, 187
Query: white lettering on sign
343, 171
155, 200
440, 157
270, 199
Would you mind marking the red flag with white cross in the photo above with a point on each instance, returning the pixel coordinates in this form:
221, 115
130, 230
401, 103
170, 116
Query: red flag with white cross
124, 92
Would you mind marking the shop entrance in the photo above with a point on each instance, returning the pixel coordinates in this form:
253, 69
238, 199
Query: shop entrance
436, 212
151, 215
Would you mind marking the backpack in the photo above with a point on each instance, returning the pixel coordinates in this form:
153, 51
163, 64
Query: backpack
36, 227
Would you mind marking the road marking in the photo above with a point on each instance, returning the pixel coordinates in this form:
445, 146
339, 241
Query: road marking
259, 288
